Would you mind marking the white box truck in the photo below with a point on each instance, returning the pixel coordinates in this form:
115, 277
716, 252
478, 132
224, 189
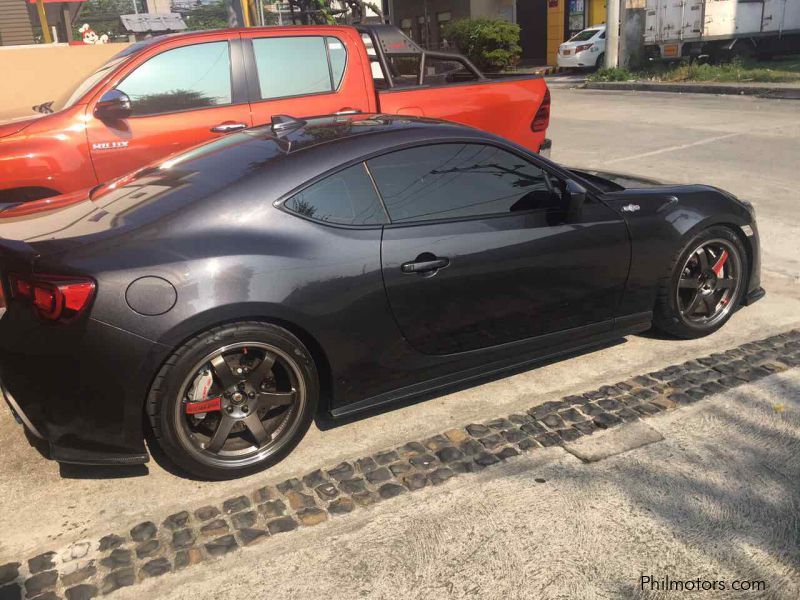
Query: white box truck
721, 28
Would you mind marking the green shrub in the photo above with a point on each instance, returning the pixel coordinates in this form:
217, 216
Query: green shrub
491, 45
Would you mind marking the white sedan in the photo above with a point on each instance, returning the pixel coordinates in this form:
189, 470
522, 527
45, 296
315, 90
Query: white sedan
585, 49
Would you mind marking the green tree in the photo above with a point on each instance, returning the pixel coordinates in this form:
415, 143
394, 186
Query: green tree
103, 17
207, 16
491, 45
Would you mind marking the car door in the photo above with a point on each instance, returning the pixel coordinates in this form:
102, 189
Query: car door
479, 251
315, 71
181, 95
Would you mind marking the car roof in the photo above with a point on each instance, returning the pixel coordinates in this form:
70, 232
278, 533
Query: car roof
300, 134
141, 45
315, 145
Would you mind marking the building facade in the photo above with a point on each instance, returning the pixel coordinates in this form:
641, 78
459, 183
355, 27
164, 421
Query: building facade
544, 24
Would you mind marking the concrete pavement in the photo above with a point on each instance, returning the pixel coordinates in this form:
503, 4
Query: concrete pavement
715, 501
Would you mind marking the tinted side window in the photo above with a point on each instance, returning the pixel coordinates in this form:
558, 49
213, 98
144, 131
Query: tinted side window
294, 66
445, 181
347, 198
197, 76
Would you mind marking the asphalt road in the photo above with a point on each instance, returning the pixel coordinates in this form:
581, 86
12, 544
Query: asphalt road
749, 146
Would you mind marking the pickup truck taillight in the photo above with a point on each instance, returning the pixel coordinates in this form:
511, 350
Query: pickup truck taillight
53, 297
542, 118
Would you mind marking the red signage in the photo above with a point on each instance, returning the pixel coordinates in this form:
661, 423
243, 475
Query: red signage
552, 3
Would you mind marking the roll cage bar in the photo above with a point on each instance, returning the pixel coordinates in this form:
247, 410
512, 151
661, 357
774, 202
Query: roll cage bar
389, 42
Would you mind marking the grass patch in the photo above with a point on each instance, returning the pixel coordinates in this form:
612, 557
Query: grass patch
784, 70
613, 74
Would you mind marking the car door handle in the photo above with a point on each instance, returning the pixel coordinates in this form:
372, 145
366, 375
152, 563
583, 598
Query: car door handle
425, 266
347, 111
228, 127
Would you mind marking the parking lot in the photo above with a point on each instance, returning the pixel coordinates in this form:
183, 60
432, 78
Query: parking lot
746, 145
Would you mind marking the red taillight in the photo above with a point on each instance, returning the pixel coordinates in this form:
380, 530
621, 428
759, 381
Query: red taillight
582, 47
542, 118
55, 298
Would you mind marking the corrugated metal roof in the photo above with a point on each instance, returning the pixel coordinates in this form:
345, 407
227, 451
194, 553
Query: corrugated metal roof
146, 22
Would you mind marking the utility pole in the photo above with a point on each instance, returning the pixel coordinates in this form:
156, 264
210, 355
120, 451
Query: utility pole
48, 38
612, 33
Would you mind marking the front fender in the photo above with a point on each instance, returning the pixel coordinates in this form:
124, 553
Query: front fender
50, 154
660, 221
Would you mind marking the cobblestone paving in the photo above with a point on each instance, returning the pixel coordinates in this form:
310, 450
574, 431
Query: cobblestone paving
89, 569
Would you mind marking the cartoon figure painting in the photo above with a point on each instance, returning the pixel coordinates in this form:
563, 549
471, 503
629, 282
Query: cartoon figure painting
90, 37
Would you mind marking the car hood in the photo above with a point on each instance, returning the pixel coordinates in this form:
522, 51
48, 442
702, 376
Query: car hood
10, 126
623, 180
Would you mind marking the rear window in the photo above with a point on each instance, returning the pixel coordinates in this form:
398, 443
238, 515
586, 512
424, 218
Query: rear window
584, 35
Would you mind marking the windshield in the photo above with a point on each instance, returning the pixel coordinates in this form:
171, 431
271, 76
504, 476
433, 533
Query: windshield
87, 84
584, 35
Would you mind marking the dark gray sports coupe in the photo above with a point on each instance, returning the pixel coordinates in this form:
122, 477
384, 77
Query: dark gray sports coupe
226, 296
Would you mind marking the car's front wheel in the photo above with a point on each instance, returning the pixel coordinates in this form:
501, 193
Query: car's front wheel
234, 400
706, 283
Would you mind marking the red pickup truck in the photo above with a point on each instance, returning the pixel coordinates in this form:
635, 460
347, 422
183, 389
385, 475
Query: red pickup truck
168, 93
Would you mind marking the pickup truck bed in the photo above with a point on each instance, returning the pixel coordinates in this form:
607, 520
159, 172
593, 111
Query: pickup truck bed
166, 94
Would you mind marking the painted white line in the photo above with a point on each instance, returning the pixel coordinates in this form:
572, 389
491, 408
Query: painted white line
673, 148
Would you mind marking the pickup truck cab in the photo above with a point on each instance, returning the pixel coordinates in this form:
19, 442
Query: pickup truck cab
166, 94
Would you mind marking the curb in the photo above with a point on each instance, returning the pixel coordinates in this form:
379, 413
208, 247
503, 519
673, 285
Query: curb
784, 93
200, 534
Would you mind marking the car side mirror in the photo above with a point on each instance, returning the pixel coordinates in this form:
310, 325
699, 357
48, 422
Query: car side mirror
575, 195
113, 106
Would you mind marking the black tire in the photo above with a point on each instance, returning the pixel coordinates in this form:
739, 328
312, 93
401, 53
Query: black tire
600, 63
670, 317
166, 401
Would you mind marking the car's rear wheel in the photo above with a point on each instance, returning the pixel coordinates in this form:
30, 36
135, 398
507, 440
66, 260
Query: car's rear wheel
234, 400
706, 284
601, 61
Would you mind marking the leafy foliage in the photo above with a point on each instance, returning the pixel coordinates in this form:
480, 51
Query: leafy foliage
207, 16
103, 16
739, 70
492, 45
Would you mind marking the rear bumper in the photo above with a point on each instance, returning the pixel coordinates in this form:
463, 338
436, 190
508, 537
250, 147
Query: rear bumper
18, 413
584, 59
66, 388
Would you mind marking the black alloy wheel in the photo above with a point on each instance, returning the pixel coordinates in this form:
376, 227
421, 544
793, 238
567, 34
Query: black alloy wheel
706, 285
238, 405
710, 279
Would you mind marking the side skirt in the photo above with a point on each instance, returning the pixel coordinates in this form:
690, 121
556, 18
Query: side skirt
623, 326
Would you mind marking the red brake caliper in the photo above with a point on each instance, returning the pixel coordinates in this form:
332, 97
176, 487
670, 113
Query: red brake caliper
717, 268
198, 402
204, 406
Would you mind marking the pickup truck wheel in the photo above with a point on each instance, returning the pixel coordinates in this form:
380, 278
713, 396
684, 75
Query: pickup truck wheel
234, 400
706, 284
